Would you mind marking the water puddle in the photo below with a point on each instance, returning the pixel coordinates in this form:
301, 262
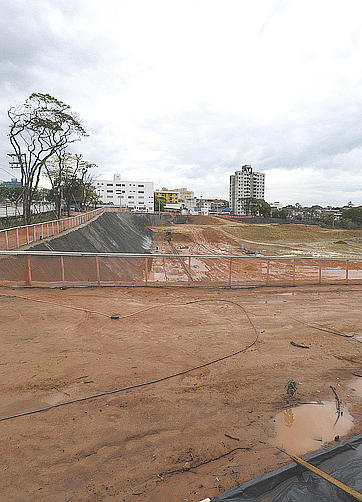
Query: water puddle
307, 427
356, 387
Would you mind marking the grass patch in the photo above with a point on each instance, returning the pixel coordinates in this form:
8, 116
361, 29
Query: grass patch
290, 233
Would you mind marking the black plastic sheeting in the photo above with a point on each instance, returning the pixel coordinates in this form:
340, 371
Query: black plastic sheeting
111, 233
292, 483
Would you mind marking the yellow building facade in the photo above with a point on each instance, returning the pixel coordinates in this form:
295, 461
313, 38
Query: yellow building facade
170, 196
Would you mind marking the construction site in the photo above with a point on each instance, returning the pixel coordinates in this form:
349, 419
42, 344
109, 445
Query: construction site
163, 357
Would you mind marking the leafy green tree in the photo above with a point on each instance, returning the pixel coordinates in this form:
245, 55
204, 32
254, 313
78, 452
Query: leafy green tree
10, 193
264, 208
41, 127
41, 194
159, 203
58, 168
247, 203
71, 180
353, 214
255, 206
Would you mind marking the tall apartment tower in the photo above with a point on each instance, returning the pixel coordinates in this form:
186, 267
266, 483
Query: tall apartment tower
245, 183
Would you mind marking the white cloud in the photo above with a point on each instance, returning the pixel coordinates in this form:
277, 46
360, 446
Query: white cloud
184, 92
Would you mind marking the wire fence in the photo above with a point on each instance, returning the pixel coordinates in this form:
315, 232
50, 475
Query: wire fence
14, 238
8, 210
43, 268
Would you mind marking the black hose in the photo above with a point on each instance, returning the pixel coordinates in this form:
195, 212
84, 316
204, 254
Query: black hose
150, 382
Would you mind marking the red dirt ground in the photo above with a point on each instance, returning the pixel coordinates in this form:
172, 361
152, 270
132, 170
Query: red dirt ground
147, 444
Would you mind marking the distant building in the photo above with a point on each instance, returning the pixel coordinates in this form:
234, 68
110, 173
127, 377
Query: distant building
14, 182
184, 194
211, 206
127, 194
276, 205
245, 184
170, 196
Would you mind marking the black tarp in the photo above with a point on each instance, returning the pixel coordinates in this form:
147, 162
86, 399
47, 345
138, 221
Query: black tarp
292, 483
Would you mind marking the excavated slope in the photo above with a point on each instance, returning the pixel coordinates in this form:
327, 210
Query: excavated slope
109, 233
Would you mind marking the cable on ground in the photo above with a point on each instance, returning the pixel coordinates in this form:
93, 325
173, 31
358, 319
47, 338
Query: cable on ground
56, 304
157, 380
327, 330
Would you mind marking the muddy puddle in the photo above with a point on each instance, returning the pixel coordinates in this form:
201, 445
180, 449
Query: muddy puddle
307, 427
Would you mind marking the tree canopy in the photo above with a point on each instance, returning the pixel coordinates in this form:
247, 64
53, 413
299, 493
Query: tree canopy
71, 180
40, 128
254, 207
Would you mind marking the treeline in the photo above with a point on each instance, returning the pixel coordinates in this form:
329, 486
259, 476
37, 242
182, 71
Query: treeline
347, 217
13, 194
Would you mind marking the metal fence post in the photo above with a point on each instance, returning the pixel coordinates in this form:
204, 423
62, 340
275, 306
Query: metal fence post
230, 270
27, 235
347, 270
62, 269
189, 274
17, 236
97, 271
294, 272
267, 272
27, 271
319, 271
146, 272
7, 239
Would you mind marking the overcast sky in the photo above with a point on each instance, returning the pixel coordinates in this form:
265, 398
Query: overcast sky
183, 93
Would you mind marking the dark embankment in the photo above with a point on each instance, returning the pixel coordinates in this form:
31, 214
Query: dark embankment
110, 233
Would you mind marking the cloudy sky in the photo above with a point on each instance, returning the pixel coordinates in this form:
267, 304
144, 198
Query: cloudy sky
184, 92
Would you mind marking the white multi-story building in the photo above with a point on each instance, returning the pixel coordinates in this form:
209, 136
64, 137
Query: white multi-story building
127, 194
245, 184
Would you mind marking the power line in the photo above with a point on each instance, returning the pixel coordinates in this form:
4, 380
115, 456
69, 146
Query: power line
6, 171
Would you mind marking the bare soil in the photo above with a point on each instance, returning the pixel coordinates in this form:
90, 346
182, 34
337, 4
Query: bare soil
271, 239
298, 239
167, 441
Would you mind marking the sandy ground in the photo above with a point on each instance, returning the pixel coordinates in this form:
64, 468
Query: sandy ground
226, 239
164, 442
271, 240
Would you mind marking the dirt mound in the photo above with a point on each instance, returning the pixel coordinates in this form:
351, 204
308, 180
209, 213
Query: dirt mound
200, 219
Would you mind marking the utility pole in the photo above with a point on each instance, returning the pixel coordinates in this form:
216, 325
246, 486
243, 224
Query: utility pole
17, 164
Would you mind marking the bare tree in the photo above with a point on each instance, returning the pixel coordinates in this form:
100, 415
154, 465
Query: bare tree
40, 128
